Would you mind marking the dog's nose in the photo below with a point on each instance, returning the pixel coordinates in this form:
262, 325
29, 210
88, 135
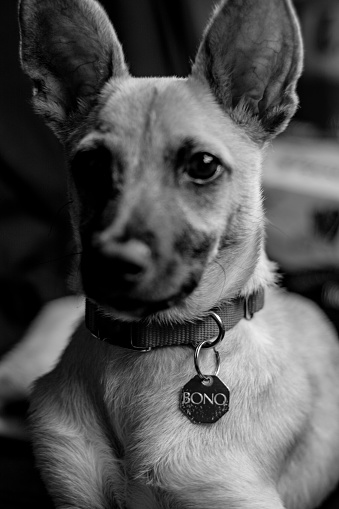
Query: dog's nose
129, 260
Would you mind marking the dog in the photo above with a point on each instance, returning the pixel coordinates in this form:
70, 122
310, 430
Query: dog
195, 381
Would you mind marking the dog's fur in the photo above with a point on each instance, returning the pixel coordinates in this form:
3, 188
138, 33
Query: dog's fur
107, 427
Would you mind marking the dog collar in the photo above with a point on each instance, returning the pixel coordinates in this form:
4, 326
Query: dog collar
143, 336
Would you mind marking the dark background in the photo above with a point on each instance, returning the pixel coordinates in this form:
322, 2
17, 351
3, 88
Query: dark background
159, 37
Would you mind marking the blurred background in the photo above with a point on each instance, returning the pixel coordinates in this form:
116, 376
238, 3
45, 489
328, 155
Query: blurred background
301, 185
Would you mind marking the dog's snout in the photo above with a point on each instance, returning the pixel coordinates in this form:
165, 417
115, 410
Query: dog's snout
130, 259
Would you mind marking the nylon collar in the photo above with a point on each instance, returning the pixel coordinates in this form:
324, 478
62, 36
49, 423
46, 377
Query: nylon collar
143, 336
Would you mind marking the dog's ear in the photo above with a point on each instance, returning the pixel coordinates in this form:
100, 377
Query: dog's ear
70, 50
251, 57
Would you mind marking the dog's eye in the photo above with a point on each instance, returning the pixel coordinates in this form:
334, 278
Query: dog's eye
91, 171
203, 167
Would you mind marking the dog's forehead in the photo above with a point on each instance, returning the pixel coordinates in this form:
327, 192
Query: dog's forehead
164, 109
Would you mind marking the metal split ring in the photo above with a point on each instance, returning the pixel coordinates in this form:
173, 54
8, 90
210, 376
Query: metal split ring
205, 378
207, 343
211, 343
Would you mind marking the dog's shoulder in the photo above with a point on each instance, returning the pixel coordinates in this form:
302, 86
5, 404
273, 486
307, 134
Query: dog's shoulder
307, 342
305, 316
70, 378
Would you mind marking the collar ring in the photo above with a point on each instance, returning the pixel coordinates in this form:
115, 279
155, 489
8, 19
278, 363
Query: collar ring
214, 342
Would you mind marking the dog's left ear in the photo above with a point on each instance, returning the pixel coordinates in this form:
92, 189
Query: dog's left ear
251, 58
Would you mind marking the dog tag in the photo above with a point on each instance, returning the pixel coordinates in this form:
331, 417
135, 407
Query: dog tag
204, 402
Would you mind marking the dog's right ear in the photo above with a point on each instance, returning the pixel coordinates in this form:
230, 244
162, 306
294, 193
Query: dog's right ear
70, 50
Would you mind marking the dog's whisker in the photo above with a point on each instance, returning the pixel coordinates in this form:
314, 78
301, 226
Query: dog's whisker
275, 227
57, 214
59, 258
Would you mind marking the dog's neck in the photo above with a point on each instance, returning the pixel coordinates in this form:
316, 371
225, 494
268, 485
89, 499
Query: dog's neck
153, 332
144, 336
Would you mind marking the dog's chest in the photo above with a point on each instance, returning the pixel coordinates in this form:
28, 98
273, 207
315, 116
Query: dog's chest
158, 445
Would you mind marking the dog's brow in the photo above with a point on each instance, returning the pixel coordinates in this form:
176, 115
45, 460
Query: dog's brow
189, 145
177, 153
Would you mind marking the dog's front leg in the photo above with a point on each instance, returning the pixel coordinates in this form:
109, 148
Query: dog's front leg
246, 497
78, 460
237, 493
78, 469
219, 477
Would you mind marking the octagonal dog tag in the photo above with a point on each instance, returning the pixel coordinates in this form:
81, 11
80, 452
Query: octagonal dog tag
204, 403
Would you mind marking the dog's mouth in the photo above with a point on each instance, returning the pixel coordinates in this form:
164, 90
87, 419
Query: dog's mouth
135, 279
137, 297
127, 306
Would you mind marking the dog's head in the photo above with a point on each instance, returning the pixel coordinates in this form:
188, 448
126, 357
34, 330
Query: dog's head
164, 173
